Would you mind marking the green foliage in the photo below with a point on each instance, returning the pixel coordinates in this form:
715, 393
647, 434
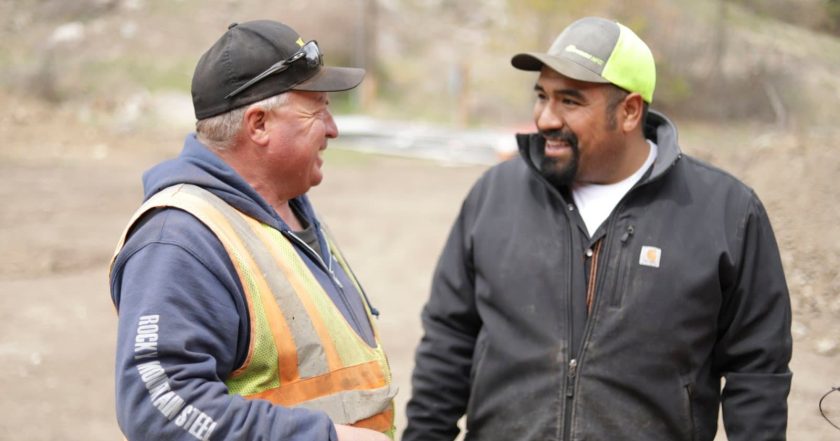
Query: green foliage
832, 9
818, 15
5, 58
672, 88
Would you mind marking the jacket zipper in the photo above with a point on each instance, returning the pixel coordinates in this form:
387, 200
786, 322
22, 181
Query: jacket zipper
571, 368
318, 259
591, 298
570, 378
570, 397
328, 269
571, 372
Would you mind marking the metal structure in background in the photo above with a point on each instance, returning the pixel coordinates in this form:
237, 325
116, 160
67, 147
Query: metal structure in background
445, 145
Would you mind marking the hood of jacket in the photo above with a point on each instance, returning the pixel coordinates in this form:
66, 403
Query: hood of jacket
198, 165
658, 128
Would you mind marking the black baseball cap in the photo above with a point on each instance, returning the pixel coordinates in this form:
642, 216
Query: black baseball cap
245, 51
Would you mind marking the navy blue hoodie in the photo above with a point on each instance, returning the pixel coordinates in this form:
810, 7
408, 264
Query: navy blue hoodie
183, 318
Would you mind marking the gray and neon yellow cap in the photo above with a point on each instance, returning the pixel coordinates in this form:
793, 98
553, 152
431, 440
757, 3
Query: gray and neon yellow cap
598, 50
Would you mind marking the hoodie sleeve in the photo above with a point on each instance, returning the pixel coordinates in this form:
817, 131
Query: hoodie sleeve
451, 323
181, 323
754, 345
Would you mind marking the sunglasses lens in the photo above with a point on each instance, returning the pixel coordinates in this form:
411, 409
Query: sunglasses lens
309, 54
312, 55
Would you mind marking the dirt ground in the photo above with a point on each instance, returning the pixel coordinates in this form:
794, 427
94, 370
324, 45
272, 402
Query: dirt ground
67, 189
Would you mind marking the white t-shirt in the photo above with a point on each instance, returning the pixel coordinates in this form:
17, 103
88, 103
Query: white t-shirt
595, 202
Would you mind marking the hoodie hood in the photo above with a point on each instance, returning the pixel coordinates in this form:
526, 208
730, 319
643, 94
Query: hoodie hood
199, 166
658, 128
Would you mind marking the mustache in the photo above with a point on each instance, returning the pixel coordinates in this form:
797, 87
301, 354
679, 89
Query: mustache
566, 136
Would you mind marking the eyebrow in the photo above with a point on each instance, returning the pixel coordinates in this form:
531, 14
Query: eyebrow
574, 93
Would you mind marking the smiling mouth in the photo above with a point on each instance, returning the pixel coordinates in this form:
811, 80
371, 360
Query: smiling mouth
556, 147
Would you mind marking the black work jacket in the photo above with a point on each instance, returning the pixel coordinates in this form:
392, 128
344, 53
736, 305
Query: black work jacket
688, 288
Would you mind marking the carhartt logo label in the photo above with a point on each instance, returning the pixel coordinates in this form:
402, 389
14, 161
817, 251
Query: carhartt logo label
650, 256
573, 49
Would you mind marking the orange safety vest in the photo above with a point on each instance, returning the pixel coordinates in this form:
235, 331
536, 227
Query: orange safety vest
302, 351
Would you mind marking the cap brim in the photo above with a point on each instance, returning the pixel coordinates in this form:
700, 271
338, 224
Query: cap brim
332, 79
534, 61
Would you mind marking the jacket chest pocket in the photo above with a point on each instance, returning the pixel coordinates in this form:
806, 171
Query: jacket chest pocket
624, 265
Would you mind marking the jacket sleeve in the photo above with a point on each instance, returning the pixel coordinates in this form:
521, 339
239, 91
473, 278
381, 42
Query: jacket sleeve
180, 327
441, 378
754, 339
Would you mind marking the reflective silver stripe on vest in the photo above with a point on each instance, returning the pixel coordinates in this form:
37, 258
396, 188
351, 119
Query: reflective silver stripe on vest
310, 353
351, 406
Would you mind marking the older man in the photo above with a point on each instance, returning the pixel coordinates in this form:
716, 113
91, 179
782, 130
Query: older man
238, 317
600, 286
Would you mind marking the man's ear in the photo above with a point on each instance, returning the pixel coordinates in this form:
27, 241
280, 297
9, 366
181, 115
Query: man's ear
631, 112
255, 124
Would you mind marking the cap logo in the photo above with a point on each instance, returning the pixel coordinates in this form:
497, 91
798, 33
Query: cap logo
300, 42
573, 49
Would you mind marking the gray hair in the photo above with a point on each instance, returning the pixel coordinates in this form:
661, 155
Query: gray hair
219, 132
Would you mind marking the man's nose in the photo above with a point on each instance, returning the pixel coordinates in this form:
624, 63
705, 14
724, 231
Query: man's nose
548, 118
332, 128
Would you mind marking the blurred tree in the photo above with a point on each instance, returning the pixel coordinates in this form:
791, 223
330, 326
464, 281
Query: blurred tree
820, 15
548, 18
367, 50
543, 13
719, 40
832, 9
444, 42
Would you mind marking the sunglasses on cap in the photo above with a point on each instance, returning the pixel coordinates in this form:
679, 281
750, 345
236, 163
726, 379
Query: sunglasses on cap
309, 53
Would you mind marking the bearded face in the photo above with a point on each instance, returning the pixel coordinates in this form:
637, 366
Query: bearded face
560, 170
